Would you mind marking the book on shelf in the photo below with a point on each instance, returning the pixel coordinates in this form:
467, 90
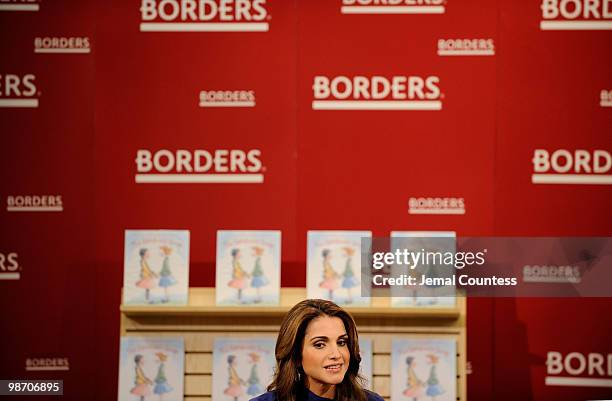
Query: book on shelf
333, 267
151, 368
423, 369
242, 367
248, 268
156, 267
426, 295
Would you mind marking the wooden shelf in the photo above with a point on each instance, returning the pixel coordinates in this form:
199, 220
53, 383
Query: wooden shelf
202, 303
201, 322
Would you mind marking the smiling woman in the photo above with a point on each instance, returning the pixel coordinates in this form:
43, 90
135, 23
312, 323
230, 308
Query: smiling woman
317, 356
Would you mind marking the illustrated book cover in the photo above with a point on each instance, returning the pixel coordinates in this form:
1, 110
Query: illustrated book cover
151, 368
156, 267
248, 267
242, 367
423, 370
334, 266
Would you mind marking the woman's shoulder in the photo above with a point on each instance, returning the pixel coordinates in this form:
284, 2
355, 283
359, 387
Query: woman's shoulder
372, 396
269, 396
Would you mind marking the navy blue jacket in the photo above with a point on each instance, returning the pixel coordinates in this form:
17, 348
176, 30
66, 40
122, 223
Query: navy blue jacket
309, 396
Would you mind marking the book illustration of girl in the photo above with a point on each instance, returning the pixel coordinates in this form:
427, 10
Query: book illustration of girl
166, 279
234, 382
161, 382
258, 280
141, 381
330, 277
239, 276
147, 275
414, 386
349, 280
255, 387
434, 388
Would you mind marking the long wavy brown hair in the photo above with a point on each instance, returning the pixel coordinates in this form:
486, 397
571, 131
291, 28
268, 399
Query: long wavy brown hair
289, 378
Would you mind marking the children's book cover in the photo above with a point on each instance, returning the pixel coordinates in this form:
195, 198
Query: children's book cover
423, 370
242, 367
426, 295
151, 369
334, 266
248, 267
156, 267
365, 368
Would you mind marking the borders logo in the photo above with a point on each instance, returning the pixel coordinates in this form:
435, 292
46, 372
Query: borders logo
199, 166
9, 266
570, 369
576, 15
376, 93
19, 5
605, 98
204, 16
466, 47
238, 98
436, 206
565, 167
552, 274
69, 45
393, 6
18, 90
47, 364
34, 203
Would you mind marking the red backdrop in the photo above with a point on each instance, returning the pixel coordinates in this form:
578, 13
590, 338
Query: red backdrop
322, 169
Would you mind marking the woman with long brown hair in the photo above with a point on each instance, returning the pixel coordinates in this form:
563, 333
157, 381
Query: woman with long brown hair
317, 356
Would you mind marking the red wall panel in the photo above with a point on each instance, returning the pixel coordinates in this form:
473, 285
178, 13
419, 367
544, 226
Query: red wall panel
321, 169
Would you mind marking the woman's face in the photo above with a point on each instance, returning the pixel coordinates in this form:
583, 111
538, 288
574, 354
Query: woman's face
325, 352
